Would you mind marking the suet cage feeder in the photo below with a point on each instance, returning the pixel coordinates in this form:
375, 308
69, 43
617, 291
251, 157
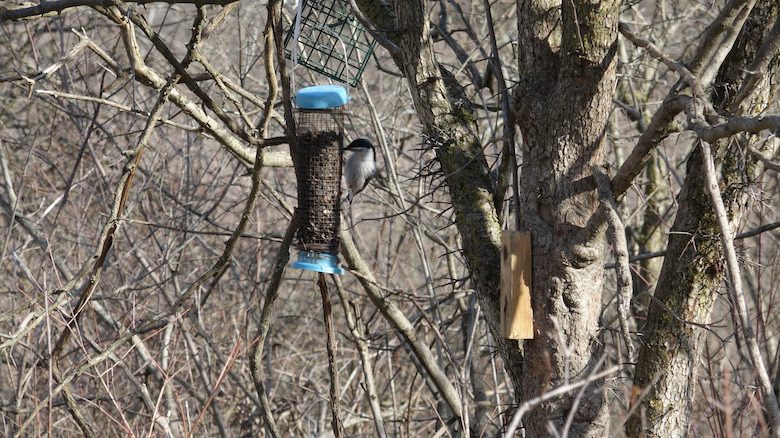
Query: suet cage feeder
330, 41
318, 152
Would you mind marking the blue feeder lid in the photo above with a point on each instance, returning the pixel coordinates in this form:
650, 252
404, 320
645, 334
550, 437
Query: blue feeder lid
321, 97
319, 262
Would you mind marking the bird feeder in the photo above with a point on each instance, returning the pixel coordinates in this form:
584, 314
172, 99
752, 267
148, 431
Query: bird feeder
517, 316
318, 152
327, 39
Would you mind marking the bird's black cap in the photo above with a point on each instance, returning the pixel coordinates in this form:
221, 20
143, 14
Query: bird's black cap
360, 143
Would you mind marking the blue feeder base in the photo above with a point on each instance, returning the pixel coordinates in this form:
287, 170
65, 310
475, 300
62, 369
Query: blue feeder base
319, 262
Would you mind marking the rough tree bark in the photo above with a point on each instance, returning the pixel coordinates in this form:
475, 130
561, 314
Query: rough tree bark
693, 269
563, 106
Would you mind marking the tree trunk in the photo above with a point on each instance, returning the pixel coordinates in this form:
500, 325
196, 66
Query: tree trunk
562, 112
651, 238
693, 269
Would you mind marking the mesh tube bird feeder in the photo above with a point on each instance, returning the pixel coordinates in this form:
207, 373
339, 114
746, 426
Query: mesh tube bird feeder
318, 152
328, 40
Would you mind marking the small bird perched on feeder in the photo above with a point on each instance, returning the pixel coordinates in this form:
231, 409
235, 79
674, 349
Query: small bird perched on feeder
360, 166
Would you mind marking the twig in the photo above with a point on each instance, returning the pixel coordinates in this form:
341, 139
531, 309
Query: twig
71, 404
123, 191
138, 19
358, 335
525, 407
573, 410
283, 255
657, 130
91, 361
698, 106
718, 39
657, 53
234, 352
397, 319
508, 135
735, 125
56, 6
148, 325
271, 294
673, 106
147, 75
113, 104
769, 164
327, 312
57, 65
735, 278
398, 196
219, 79
111, 225
617, 235
378, 35
744, 235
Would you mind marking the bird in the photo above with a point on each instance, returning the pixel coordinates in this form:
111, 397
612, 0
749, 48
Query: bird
360, 166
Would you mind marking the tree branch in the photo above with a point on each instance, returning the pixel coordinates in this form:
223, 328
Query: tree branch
359, 337
549, 395
394, 315
56, 6
758, 68
123, 191
617, 234
735, 278
735, 125
327, 311
657, 130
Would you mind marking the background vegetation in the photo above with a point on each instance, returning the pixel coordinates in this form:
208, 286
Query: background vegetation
147, 189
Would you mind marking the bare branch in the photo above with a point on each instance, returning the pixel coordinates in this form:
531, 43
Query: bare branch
271, 294
56, 6
359, 337
617, 234
718, 39
744, 235
739, 296
682, 70
657, 130
283, 255
245, 133
529, 404
391, 312
693, 108
122, 193
119, 106
336, 422
379, 35
736, 125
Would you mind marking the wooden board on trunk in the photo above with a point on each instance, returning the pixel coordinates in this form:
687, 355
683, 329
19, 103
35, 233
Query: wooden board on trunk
517, 317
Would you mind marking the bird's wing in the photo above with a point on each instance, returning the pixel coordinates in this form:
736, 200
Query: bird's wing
365, 183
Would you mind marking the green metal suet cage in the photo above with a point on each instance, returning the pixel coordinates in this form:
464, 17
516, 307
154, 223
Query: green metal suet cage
331, 41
